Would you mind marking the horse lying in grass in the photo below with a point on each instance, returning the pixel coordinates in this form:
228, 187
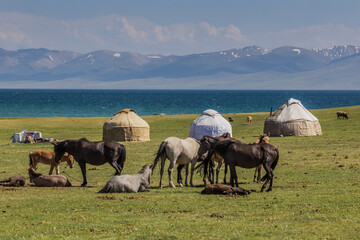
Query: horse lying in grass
48, 180
178, 151
129, 183
16, 181
47, 157
224, 190
243, 155
94, 153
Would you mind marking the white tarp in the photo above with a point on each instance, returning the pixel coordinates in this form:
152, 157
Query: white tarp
211, 123
294, 110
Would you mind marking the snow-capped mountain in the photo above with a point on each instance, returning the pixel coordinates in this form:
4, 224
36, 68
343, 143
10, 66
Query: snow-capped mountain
104, 65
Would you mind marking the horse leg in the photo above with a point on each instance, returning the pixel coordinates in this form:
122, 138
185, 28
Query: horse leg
186, 174
205, 173
83, 171
259, 173
163, 158
218, 171
212, 177
116, 167
52, 169
269, 173
170, 170
193, 163
233, 176
179, 177
225, 172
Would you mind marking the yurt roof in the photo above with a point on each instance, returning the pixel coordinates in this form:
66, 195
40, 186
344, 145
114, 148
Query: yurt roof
292, 110
211, 123
125, 118
210, 117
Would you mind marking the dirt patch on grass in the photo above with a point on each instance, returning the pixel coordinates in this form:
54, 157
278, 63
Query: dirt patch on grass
217, 215
107, 198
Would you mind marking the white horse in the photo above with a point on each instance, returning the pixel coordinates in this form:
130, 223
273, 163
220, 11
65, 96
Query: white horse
180, 151
129, 183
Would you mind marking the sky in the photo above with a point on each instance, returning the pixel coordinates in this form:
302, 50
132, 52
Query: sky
177, 27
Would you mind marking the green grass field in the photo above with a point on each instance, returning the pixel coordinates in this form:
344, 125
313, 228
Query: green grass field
316, 192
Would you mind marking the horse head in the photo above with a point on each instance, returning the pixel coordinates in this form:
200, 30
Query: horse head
59, 149
264, 138
204, 148
68, 158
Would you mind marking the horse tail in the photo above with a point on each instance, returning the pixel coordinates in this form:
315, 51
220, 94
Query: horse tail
203, 167
122, 156
273, 165
161, 151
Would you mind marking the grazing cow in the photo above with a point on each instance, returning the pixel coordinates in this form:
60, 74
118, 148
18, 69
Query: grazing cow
224, 190
342, 115
48, 181
48, 158
249, 119
15, 181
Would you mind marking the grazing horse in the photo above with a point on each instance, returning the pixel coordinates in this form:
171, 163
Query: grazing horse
178, 151
264, 138
242, 155
342, 114
47, 157
249, 119
48, 180
94, 153
129, 183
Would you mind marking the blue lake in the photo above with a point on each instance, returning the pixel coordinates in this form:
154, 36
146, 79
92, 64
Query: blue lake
91, 103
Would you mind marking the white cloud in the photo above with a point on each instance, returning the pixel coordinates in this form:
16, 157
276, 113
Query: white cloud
318, 36
114, 32
120, 33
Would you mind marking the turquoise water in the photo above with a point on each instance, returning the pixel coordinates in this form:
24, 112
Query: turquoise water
91, 103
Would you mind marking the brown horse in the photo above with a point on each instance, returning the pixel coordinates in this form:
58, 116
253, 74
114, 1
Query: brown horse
264, 138
48, 180
94, 153
242, 155
47, 157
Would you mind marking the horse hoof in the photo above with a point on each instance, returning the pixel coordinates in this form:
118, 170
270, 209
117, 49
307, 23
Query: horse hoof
180, 185
172, 185
269, 190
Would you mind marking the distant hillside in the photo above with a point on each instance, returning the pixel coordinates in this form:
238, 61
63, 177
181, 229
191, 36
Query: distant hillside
266, 68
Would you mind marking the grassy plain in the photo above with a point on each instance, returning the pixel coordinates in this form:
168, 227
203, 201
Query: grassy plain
316, 191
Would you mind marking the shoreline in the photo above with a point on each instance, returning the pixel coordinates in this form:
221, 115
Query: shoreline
172, 115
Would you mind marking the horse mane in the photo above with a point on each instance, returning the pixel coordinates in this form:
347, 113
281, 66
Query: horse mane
222, 145
83, 139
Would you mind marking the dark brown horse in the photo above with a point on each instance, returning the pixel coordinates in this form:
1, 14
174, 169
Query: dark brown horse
94, 153
242, 155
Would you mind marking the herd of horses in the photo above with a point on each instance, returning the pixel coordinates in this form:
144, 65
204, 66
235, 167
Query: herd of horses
223, 149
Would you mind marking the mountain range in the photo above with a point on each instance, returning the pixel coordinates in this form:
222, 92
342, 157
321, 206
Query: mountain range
250, 67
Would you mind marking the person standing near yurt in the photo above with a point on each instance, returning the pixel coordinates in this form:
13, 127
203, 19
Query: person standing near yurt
126, 125
211, 123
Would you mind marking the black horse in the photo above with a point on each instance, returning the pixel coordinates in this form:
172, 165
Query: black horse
236, 153
94, 153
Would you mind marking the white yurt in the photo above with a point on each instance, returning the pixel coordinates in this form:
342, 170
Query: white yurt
292, 119
126, 125
211, 123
